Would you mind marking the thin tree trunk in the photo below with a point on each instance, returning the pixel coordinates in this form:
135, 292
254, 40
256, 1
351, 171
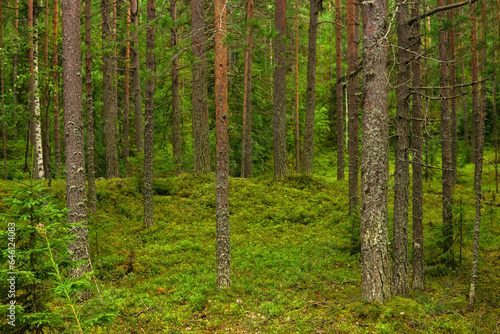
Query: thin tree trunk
222, 148
45, 127
375, 263
126, 107
340, 115
150, 117
246, 147
4, 134
402, 168
201, 137
308, 159
92, 197
445, 139
136, 78
55, 77
297, 128
464, 105
495, 129
74, 143
475, 87
453, 101
176, 112
353, 91
14, 65
108, 108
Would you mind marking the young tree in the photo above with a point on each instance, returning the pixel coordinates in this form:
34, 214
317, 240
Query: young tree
222, 148
307, 165
375, 263
136, 78
279, 117
176, 109
246, 146
55, 78
150, 117
201, 138
73, 130
340, 114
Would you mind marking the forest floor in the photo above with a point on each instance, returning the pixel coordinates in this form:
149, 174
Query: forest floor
293, 269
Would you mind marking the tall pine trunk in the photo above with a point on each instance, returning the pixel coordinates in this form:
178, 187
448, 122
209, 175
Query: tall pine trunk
296, 70
45, 104
246, 147
338, 85
453, 101
308, 159
176, 109
222, 149
126, 106
136, 78
4, 134
55, 78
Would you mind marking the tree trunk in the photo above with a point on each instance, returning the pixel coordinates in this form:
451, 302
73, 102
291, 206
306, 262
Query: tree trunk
201, 137
279, 117
246, 147
402, 168
126, 107
445, 139
176, 112
222, 148
418, 278
340, 115
353, 91
150, 117
108, 108
4, 134
297, 127
375, 263
475, 87
55, 77
464, 105
136, 78
74, 140
453, 101
45, 127
92, 197
308, 159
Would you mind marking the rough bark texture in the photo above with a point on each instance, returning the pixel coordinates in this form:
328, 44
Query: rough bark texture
402, 169
475, 87
445, 138
176, 107
375, 263
222, 149
126, 106
136, 78
201, 137
246, 146
108, 108
55, 77
297, 127
4, 134
279, 116
150, 117
464, 106
453, 101
44, 94
418, 278
14, 62
92, 197
308, 159
340, 115
74, 138
353, 102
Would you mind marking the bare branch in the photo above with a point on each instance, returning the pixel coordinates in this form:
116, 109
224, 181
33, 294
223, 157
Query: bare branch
439, 9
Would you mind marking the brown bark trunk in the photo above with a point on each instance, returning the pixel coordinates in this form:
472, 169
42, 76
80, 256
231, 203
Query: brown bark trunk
201, 137
136, 78
74, 143
45, 127
55, 77
150, 117
453, 101
402, 168
340, 115
418, 278
353, 91
279, 117
108, 108
222, 148
126, 106
297, 128
92, 197
464, 106
475, 87
375, 263
176, 112
4, 134
308, 159
447, 178
246, 147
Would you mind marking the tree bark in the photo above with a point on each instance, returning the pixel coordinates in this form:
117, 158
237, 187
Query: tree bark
297, 127
447, 178
375, 263
340, 115
475, 87
453, 101
222, 148
45, 127
55, 77
126, 107
353, 102
150, 117
201, 137
176, 112
418, 278
136, 78
246, 147
402, 167
464, 106
308, 159
92, 197
4, 134
108, 108
279, 114
74, 140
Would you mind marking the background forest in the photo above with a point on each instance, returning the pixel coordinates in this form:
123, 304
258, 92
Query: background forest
343, 139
